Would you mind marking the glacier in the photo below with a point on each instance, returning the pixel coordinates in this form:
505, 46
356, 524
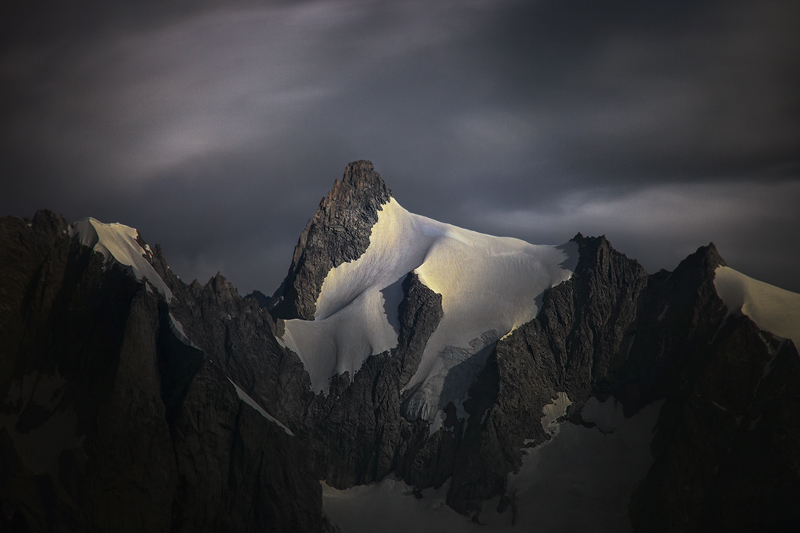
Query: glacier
489, 286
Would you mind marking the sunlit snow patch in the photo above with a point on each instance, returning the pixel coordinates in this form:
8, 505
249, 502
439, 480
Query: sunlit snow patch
772, 309
489, 286
118, 242
580, 480
177, 330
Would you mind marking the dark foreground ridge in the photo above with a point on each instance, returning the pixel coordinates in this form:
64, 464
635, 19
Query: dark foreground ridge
108, 422
105, 411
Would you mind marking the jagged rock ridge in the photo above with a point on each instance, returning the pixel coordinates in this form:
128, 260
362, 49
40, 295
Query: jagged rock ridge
111, 422
610, 330
338, 232
725, 450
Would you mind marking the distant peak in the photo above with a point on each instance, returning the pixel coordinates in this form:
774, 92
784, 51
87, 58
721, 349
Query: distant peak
706, 257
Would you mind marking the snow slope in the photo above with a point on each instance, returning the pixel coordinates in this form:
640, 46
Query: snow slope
260, 410
772, 309
580, 480
489, 286
118, 242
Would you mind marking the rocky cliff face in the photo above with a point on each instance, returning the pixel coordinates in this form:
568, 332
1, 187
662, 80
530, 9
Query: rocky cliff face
575, 346
339, 232
717, 467
610, 330
110, 422
107, 407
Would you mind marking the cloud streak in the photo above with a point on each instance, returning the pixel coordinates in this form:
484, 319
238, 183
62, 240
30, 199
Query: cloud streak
751, 224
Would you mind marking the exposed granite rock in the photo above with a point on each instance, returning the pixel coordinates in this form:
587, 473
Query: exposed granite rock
419, 313
105, 413
575, 343
679, 316
728, 440
357, 433
238, 335
262, 299
757, 485
338, 233
238, 471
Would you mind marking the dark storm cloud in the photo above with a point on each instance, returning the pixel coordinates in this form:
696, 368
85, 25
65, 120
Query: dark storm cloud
698, 87
215, 128
662, 224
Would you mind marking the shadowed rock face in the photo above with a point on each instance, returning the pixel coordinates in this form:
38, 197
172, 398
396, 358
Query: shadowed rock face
108, 422
105, 412
574, 345
728, 438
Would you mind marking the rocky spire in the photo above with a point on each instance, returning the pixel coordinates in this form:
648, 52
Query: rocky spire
339, 232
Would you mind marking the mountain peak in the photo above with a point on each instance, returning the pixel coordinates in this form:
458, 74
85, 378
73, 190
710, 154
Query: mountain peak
339, 232
360, 185
705, 258
362, 173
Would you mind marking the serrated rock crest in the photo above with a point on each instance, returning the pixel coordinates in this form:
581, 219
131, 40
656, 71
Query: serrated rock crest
339, 232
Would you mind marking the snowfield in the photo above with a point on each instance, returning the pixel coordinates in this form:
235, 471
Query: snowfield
772, 309
489, 286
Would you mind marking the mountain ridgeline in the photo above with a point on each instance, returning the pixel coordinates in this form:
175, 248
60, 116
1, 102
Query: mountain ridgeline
121, 392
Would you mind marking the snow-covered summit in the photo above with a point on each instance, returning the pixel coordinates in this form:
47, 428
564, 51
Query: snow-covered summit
118, 242
489, 286
771, 308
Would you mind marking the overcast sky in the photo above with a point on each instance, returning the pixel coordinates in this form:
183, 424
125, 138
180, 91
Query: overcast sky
216, 127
